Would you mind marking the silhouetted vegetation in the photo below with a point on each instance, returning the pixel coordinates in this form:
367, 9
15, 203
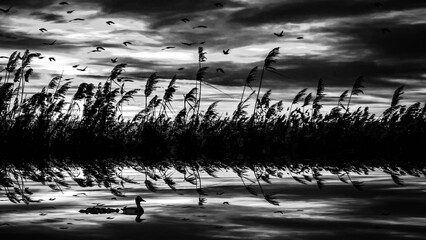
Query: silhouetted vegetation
44, 135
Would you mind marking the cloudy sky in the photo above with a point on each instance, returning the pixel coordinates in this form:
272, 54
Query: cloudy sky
342, 39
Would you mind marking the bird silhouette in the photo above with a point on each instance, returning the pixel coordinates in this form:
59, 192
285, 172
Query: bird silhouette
52, 59
70, 11
84, 69
113, 60
126, 43
180, 69
279, 34
299, 37
167, 48
110, 22
138, 210
279, 212
50, 43
63, 3
202, 42
220, 70
385, 30
43, 30
199, 26
226, 52
77, 19
100, 48
75, 66
219, 5
187, 44
52, 199
185, 20
5, 10
225, 203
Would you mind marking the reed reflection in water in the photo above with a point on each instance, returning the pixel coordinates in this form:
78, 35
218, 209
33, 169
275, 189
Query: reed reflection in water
382, 210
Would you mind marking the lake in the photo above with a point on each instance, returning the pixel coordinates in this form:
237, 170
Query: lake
382, 210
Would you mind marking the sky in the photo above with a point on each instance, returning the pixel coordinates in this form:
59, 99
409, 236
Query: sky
335, 40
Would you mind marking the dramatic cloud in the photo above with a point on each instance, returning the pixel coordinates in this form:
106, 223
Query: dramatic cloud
334, 40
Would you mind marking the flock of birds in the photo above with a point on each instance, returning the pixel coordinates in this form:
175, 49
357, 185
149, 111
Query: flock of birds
127, 43
184, 20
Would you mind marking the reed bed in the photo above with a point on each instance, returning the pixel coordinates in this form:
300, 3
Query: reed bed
91, 126
44, 135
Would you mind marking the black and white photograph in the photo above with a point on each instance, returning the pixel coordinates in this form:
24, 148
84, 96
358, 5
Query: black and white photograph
212, 119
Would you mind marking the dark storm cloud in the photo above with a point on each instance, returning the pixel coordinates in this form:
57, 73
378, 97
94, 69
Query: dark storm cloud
181, 7
21, 41
404, 40
25, 4
49, 17
161, 13
315, 10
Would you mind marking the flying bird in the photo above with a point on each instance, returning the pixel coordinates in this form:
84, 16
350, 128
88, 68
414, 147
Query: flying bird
226, 52
77, 19
199, 26
63, 3
299, 37
126, 43
110, 22
226, 203
5, 10
187, 44
279, 34
100, 48
52, 59
279, 212
185, 20
76, 65
82, 69
167, 48
180, 69
219, 5
385, 30
50, 43
43, 30
220, 70
113, 60
202, 42
70, 11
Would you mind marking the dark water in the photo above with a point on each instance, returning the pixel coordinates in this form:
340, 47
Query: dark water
382, 210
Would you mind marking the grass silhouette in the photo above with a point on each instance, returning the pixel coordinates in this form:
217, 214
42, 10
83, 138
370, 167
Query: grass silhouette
43, 135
